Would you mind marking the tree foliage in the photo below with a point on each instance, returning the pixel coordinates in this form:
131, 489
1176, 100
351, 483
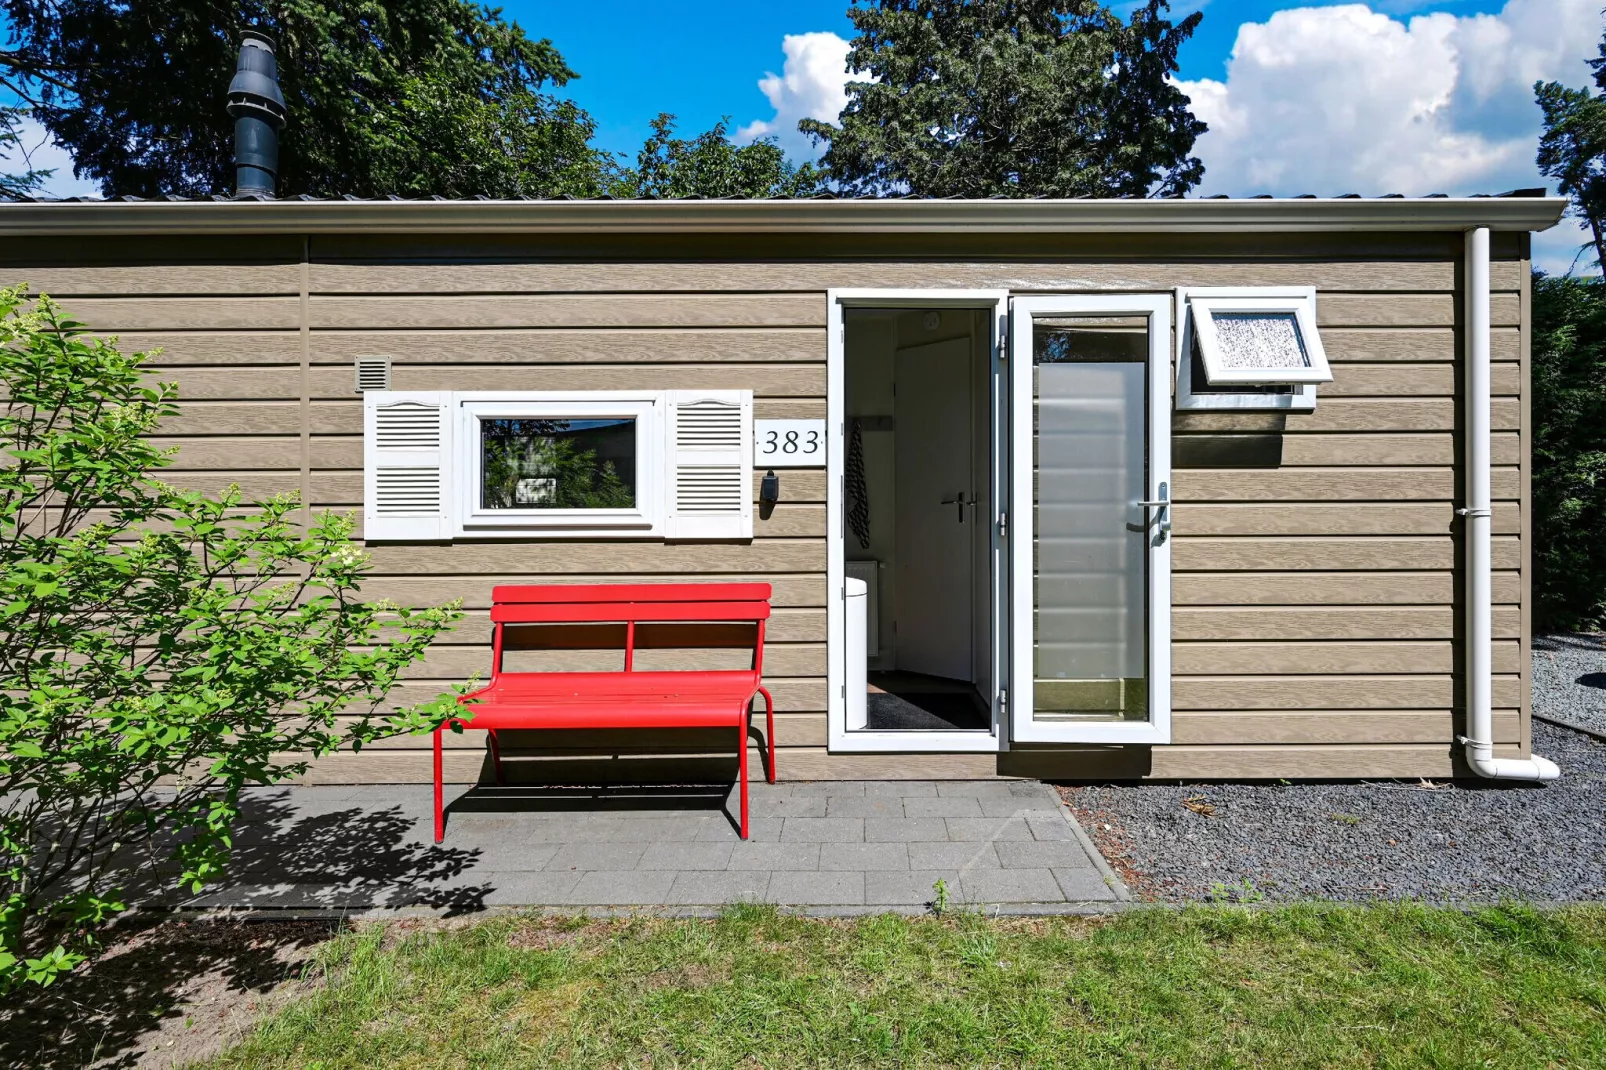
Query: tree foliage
710, 165
1013, 98
30, 179
411, 97
1569, 451
1572, 149
161, 650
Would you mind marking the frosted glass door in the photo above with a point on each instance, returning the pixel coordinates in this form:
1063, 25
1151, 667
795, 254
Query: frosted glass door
1090, 411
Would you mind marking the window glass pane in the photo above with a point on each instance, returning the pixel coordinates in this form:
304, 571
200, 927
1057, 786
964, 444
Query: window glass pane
558, 464
1260, 340
1091, 566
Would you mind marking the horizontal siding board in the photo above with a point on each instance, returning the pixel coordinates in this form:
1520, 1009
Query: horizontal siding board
568, 310
1352, 414
239, 348
1292, 658
805, 590
253, 485
1314, 518
559, 558
429, 312
685, 345
1264, 450
1332, 484
1318, 553
1271, 624
344, 491
1407, 310
1329, 588
794, 624
1420, 380
327, 384
345, 417
555, 276
1327, 726
264, 382
765, 380
243, 452
239, 418
121, 314
157, 280
1347, 691
459, 662
1370, 344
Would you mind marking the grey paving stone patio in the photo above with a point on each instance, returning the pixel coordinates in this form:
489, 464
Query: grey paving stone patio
824, 847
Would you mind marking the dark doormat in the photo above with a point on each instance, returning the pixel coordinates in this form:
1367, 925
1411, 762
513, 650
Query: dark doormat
927, 710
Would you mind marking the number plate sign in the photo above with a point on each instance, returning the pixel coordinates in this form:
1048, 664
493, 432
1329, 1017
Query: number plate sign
789, 443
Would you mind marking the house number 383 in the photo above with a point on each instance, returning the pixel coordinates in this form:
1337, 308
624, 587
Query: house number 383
789, 443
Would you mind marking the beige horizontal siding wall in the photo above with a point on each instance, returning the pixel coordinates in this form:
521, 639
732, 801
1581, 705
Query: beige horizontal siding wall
1317, 602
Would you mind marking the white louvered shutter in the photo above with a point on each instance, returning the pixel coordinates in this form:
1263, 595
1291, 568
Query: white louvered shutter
709, 492
407, 439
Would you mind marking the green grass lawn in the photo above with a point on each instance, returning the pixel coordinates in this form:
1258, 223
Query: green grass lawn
1316, 986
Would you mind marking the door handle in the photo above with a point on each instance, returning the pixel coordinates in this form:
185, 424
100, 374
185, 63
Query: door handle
1162, 503
961, 499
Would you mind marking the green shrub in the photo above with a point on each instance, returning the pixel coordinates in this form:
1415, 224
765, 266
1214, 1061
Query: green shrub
159, 650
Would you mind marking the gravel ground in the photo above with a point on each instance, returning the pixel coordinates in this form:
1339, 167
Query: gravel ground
1467, 841
1570, 679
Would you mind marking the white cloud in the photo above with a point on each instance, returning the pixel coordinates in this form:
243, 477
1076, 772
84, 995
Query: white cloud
40, 152
810, 86
1347, 99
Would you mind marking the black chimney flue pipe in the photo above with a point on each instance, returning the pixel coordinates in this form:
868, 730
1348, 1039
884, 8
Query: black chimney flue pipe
258, 110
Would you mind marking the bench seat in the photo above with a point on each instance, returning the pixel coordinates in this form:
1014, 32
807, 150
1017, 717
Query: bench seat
614, 700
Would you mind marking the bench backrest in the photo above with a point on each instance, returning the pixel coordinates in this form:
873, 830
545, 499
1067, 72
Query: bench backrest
699, 615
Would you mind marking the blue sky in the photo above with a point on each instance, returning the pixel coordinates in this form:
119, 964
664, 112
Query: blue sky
1370, 97
702, 59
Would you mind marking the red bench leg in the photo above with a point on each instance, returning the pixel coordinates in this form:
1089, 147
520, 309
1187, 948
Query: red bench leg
741, 743
496, 756
440, 816
769, 732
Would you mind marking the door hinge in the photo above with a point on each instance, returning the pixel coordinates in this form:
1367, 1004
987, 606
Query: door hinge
1003, 701
1003, 523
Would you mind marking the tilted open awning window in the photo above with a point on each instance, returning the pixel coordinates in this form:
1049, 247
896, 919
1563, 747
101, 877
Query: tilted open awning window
1254, 339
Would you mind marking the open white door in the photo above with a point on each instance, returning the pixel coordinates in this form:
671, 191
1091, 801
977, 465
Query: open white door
1089, 539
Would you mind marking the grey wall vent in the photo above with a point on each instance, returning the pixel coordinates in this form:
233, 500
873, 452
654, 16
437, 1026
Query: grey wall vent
373, 373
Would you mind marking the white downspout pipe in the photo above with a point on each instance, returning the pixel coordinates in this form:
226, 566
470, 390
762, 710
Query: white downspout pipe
1479, 740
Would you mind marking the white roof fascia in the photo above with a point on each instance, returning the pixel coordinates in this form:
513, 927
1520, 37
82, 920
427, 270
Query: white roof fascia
822, 216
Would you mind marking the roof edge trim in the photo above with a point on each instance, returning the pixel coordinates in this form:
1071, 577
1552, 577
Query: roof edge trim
95, 219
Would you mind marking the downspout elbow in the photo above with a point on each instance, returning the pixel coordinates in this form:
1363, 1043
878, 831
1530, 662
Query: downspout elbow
1480, 756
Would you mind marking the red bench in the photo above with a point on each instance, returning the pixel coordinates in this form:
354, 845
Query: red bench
643, 616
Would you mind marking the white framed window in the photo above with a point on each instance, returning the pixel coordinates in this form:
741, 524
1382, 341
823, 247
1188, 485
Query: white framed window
1249, 348
572, 464
671, 464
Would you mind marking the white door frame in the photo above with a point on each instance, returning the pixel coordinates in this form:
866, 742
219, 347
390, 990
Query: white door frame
837, 735
1023, 729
